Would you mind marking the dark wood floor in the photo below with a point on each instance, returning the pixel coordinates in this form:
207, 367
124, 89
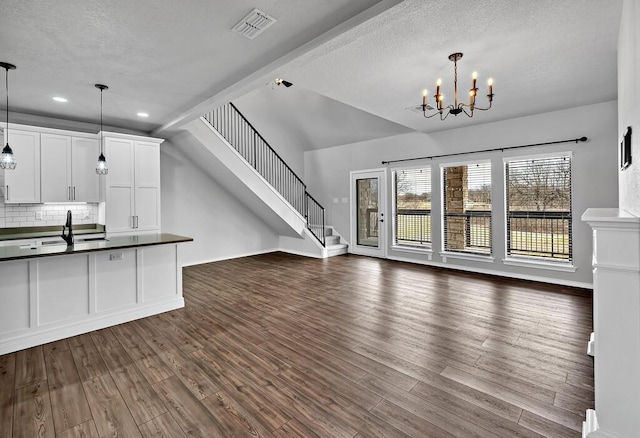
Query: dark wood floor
284, 346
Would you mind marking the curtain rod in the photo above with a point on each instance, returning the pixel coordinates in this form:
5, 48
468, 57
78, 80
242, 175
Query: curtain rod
487, 150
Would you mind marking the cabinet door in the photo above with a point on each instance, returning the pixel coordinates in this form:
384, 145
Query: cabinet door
55, 152
22, 185
85, 180
120, 185
147, 186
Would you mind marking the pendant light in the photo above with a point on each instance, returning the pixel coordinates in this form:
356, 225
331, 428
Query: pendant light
101, 167
7, 160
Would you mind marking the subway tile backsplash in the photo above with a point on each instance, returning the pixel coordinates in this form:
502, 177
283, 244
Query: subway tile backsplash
28, 215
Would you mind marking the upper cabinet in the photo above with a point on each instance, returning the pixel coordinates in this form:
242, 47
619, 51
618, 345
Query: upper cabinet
68, 168
132, 184
22, 184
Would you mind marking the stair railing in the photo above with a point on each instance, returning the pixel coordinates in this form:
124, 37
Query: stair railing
245, 139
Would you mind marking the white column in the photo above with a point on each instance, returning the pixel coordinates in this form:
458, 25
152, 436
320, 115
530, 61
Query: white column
616, 320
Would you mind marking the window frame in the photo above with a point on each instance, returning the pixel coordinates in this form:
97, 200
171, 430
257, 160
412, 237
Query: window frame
464, 255
406, 247
533, 261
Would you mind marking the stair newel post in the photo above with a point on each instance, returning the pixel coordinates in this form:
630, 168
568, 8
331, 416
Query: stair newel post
323, 228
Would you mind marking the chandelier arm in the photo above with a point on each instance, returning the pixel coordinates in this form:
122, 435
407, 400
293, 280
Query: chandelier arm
484, 109
432, 115
465, 111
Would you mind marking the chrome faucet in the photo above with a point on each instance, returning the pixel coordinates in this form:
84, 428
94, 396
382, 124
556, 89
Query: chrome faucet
69, 236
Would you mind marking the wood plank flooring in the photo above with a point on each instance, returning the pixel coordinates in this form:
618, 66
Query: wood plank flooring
284, 346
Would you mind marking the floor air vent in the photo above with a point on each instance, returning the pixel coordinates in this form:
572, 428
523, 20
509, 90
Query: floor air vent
253, 24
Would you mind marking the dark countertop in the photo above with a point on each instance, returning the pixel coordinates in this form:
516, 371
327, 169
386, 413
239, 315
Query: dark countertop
112, 243
44, 232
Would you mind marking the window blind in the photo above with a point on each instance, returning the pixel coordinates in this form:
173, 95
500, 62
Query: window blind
539, 221
467, 208
412, 209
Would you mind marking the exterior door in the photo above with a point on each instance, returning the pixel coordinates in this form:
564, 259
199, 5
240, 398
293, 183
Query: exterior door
368, 211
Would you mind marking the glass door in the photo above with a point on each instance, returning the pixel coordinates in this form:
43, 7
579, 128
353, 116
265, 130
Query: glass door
368, 230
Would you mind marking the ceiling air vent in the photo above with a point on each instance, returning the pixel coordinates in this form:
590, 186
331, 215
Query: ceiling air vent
253, 24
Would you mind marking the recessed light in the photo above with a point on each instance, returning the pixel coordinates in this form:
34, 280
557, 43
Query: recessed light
60, 99
143, 115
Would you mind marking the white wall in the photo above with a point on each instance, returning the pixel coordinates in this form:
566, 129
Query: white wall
594, 175
628, 98
284, 141
195, 205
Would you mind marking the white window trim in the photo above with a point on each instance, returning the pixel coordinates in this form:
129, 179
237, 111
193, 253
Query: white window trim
408, 248
458, 255
542, 263
538, 262
413, 249
465, 163
466, 256
538, 156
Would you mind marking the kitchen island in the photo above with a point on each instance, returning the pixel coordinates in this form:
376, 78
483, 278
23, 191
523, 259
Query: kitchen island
51, 292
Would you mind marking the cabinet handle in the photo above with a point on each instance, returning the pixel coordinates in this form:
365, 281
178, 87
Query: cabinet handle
7, 192
74, 193
69, 193
136, 221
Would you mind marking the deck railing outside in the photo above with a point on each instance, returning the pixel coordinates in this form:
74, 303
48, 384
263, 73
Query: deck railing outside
531, 233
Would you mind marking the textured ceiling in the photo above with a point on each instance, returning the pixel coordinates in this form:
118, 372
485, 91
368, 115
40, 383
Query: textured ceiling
174, 59
543, 55
309, 120
162, 57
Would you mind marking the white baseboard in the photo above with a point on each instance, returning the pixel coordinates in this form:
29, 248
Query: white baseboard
304, 253
235, 256
497, 273
93, 322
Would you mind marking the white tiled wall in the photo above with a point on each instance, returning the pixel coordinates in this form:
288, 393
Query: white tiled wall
24, 215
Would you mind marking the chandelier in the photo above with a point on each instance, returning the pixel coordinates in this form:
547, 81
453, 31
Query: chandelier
455, 108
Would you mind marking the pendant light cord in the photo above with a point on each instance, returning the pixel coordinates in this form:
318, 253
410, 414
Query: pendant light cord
101, 138
6, 85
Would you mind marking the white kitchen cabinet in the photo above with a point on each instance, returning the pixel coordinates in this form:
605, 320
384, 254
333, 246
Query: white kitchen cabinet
132, 184
68, 168
22, 184
85, 180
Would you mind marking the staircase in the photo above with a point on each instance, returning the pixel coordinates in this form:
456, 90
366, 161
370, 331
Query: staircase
228, 135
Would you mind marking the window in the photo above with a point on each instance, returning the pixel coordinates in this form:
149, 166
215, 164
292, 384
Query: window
467, 208
412, 209
538, 193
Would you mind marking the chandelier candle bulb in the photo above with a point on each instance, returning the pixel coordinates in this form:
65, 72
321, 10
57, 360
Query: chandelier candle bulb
424, 98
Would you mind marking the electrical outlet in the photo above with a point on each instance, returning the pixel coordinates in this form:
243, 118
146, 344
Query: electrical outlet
87, 215
38, 215
116, 256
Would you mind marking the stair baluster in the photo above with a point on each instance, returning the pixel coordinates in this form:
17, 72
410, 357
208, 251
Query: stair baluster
245, 139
